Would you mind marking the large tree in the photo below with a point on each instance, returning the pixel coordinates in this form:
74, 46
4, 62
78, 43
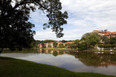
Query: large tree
88, 41
15, 29
55, 44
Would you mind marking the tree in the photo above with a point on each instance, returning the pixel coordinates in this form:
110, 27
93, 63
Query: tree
15, 29
64, 41
61, 46
49, 46
76, 42
43, 46
89, 40
68, 45
55, 44
47, 41
55, 53
105, 39
112, 40
73, 46
82, 46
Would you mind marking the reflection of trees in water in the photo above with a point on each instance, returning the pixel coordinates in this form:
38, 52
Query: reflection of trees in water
92, 59
55, 53
88, 58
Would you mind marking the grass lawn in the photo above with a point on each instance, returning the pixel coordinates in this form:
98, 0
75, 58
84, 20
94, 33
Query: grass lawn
20, 68
60, 49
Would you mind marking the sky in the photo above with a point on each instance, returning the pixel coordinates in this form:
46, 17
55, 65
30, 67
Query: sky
84, 16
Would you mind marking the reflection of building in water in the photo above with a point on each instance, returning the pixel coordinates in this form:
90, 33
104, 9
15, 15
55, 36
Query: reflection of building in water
96, 59
106, 64
50, 44
40, 50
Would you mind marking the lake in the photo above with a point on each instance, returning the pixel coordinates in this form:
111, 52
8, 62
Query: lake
97, 62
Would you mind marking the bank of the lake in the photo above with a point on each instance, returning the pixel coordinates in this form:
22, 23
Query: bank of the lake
10, 67
69, 49
61, 49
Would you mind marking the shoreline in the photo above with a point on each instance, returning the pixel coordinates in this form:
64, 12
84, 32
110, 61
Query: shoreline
11, 67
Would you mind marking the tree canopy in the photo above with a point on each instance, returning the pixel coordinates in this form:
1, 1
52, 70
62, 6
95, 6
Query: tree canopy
55, 44
92, 38
89, 40
15, 29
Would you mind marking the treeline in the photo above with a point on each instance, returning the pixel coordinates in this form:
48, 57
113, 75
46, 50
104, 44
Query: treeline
36, 42
87, 42
93, 40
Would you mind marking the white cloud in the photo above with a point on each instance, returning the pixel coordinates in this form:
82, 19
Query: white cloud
38, 17
71, 34
84, 16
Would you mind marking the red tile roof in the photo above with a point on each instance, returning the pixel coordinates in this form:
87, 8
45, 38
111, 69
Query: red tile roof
105, 32
69, 42
101, 31
113, 32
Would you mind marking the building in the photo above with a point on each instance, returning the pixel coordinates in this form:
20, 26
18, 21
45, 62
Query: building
106, 33
50, 44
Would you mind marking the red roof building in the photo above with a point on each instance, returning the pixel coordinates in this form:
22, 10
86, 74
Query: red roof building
105, 33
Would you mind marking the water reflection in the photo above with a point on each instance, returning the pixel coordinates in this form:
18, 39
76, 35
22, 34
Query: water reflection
95, 59
98, 62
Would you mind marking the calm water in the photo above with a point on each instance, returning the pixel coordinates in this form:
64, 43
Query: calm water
98, 62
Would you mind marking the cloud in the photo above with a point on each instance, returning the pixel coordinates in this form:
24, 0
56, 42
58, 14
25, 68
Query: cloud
69, 34
84, 16
98, 12
38, 17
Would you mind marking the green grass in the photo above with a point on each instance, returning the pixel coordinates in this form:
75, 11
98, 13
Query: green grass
60, 49
10, 67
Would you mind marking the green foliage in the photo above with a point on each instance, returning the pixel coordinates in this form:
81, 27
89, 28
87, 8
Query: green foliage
112, 40
47, 41
76, 42
16, 30
55, 44
49, 46
82, 46
64, 41
107, 45
88, 41
92, 39
55, 53
108, 42
61, 46
105, 39
68, 45
43, 45
73, 46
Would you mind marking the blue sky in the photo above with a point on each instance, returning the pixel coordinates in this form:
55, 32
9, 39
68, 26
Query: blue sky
84, 16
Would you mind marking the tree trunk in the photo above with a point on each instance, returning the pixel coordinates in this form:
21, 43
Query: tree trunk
1, 49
